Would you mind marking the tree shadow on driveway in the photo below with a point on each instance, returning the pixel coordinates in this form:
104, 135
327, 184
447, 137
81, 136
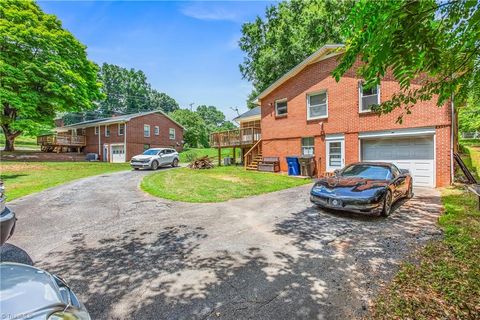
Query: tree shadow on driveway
328, 269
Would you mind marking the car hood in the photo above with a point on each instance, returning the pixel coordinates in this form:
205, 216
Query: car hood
27, 290
142, 157
350, 187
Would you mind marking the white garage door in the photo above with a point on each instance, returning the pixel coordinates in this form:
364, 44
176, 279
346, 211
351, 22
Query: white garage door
413, 153
118, 154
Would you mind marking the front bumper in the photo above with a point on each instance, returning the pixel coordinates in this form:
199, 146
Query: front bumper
140, 165
7, 224
353, 205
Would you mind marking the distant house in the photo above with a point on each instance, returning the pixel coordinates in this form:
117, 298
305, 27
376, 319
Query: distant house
118, 138
307, 112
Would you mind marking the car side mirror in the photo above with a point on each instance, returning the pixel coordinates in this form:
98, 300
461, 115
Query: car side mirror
404, 172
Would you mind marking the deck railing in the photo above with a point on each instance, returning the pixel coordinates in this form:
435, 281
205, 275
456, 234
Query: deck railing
236, 137
62, 140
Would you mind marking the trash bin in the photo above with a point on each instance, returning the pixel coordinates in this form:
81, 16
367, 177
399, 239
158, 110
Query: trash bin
227, 161
307, 165
293, 166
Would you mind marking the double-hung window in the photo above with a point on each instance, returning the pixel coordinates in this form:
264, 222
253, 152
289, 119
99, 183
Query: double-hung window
157, 130
317, 105
121, 129
171, 133
281, 108
308, 146
96, 130
368, 97
146, 130
107, 131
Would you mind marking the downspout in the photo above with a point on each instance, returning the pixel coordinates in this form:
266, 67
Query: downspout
452, 139
99, 143
125, 140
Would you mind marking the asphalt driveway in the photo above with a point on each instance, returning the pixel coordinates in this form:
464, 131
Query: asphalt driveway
275, 256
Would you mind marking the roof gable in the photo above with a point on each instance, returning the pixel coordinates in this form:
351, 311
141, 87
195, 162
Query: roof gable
324, 52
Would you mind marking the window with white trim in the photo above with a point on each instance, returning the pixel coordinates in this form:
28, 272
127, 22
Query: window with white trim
157, 130
317, 105
121, 129
171, 133
96, 131
107, 131
368, 97
146, 130
281, 107
308, 146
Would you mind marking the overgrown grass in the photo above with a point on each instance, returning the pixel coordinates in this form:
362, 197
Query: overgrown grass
445, 284
23, 178
215, 185
188, 154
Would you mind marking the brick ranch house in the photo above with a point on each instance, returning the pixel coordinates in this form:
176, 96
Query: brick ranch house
119, 138
307, 112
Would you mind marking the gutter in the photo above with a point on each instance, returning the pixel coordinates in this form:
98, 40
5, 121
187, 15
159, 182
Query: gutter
452, 139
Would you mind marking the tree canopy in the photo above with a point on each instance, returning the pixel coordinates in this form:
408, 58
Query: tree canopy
214, 119
43, 70
433, 44
195, 134
290, 32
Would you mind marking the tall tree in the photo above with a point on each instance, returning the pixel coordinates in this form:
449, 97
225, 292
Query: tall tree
128, 91
214, 119
435, 45
290, 32
196, 134
43, 70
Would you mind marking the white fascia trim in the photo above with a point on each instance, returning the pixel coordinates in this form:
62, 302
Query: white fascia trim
398, 133
252, 118
322, 53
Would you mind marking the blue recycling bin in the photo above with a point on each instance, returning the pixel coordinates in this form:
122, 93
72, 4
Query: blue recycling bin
293, 166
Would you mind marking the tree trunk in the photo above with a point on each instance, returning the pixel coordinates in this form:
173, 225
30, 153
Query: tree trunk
10, 136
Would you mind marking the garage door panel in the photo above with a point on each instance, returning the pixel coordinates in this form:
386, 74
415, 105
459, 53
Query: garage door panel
415, 154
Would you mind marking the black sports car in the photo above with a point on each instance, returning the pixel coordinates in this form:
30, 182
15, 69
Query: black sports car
363, 187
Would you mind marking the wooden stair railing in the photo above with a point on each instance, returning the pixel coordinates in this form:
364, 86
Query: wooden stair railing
254, 151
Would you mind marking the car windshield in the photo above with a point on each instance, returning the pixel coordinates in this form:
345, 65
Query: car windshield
150, 152
367, 171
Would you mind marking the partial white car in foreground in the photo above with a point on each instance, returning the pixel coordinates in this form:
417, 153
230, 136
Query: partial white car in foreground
154, 158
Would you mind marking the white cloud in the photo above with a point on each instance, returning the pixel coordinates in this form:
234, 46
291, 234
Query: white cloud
211, 12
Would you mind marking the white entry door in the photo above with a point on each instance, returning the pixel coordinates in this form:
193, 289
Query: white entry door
118, 154
335, 154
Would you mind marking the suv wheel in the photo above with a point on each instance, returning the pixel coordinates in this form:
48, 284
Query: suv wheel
175, 163
154, 165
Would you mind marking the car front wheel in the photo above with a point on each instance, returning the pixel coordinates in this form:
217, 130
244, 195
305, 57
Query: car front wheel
387, 204
410, 191
154, 165
175, 163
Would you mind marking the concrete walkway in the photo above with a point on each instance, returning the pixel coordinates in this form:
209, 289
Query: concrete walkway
132, 256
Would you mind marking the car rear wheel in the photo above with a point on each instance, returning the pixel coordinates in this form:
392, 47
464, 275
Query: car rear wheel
154, 165
410, 191
175, 163
387, 204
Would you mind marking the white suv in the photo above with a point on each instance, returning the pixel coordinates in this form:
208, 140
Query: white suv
155, 158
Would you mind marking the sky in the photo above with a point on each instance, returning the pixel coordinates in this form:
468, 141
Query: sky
189, 50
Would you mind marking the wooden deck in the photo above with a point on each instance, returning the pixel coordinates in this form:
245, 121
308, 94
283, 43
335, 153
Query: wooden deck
60, 142
240, 137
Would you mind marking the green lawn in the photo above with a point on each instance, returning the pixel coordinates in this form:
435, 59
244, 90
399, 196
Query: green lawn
188, 153
215, 185
445, 284
22, 178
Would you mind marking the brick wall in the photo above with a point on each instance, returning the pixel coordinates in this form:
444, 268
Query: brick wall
136, 139
282, 135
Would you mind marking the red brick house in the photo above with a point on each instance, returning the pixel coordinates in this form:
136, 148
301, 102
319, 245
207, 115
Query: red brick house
307, 112
119, 138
